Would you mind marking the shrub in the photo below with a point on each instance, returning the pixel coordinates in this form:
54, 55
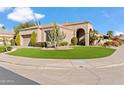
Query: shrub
12, 41
107, 43
115, 43
17, 39
9, 48
3, 49
112, 43
63, 43
50, 45
41, 44
117, 39
120, 42
74, 41
33, 39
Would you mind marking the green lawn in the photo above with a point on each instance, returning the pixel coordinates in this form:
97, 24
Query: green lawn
76, 53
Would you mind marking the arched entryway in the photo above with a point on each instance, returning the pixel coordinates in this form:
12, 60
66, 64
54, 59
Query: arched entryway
81, 36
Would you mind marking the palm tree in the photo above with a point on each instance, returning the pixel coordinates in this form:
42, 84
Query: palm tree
110, 34
95, 31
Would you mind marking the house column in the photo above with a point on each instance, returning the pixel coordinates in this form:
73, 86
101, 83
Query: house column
21, 40
39, 35
87, 38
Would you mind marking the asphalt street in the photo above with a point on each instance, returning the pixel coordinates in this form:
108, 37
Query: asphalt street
10, 78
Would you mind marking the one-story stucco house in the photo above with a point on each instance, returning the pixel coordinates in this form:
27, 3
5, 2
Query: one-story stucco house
5, 35
78, 29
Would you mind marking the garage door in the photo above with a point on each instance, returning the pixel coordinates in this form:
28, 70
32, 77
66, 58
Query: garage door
26, 40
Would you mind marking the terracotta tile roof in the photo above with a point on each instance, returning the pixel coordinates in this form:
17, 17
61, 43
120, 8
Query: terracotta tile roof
52, 25
74, 23
4, 32
28, 28
48, 26
41, 27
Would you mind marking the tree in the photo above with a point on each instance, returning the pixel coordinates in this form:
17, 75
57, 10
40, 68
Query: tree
110, 34
22, 26
55, 36
33, 39
3, 27
95, 31
93, 37
17, 39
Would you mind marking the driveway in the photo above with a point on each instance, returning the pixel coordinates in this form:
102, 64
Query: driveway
109, 70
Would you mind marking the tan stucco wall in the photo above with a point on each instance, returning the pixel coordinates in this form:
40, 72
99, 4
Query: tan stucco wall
86, 28
69, 34
27, 32
8, 38
70, 31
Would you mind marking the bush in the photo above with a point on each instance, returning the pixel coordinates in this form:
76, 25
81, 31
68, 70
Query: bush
9, 48
117, 39
63, 43
3, 49
74, 41
12, 42
51, 45
17, 39
33, 39
112, 43
115, 43
107, 43
41, 44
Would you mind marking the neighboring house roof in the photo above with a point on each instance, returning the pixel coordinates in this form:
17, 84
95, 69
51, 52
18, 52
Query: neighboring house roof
4, 32
121, 37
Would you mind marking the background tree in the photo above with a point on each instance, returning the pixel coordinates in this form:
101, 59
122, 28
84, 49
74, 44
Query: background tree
33, 39
17, 39
3, 27
56, 36
22, 26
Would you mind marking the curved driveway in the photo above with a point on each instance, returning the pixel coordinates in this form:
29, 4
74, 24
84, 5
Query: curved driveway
109, 70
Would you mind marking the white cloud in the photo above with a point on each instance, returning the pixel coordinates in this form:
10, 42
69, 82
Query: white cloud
1, 25
118, 33
2, 9
22, 14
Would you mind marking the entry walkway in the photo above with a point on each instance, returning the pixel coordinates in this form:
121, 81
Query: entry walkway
107, 70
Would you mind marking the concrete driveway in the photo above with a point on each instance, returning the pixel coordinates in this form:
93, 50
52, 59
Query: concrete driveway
109, 70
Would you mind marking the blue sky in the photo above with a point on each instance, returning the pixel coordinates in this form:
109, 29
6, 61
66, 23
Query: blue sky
104, 19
